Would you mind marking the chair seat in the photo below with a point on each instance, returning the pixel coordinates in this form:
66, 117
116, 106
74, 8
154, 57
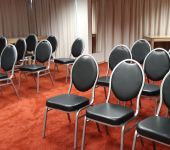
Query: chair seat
64, 60
3, 76
103, 81
150, 90
157, 128
112, 114
32, 68
67, 102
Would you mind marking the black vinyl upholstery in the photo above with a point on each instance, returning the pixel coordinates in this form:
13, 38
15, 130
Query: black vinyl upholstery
157, 128
77, 47
32, 68
8, 58
109, 113
67, 102
118, 54
150, 90
3, 76
31, 42
52, 39
84, 73
3, 43
43, 51
157, 64
64, 60
139, 50
166, 91
21, 48
126, 81
103, 81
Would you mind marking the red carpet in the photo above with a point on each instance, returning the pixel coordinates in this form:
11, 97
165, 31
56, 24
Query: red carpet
21, 120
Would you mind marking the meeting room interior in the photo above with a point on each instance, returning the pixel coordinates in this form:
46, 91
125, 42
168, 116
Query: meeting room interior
84, 74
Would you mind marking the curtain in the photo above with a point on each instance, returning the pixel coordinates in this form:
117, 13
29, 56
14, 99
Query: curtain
46, 17
128, 20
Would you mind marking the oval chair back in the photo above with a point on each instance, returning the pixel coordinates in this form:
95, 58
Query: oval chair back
157, 64
3, 43
53, 40
21, 47
118, 53
8, 58
140, 49
127, 80
77, 48
43, 52
31, 42
84, 73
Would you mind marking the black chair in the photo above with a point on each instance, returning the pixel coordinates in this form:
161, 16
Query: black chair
140, 49
7, 62
156, 128
118, 53
43, 53
3, 43
76, 50
21, 47
156, 65
126, 83
84, 76
31, 42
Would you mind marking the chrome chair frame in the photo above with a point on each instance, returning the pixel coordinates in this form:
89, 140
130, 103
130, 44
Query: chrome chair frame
77, 112
44, 71
136, 135
123, 130
11, 73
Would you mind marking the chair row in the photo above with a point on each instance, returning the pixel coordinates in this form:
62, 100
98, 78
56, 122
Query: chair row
127, 82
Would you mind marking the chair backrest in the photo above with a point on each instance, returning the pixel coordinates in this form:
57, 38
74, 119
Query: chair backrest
118, 53
31, 41
8, 58
164, 93
127, 80
77, 47
53, 40
21, 47
43, 51
157, 64
3, 43
84, 73
140, 49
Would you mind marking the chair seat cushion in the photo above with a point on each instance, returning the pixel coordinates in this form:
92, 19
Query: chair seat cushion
32, 68
150, 90
156, 127
3, 76
64, 60
67, 102
103, 81
112, 114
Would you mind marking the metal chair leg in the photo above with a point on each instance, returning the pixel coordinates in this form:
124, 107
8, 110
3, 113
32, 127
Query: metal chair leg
51, 78
76, 129
45, 120
134, 140
98, 127
154, 145
105, 92
67, 72
38, 84
107, 130
68, 116
122, 137
84, 132
16, 91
